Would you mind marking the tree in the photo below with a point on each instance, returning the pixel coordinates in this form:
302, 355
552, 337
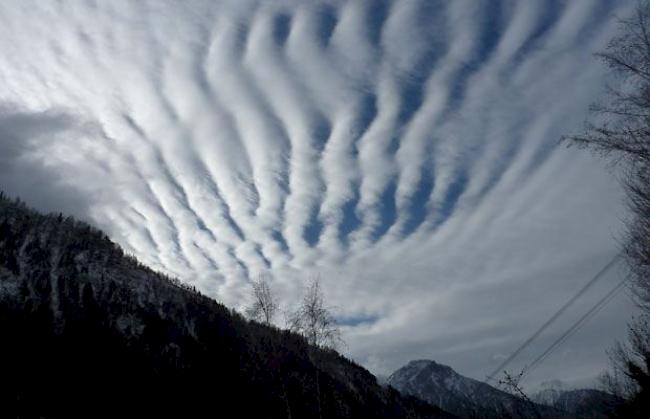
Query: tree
512, 384
630, 378
314, 320
622, 134
264, 305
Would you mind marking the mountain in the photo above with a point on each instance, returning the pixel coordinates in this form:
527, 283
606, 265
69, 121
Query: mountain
581, 403
87, 331
441, 385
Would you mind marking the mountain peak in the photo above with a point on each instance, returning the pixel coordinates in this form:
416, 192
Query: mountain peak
440, 384
424, 363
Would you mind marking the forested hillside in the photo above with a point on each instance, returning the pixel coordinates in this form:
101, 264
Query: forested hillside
87, 331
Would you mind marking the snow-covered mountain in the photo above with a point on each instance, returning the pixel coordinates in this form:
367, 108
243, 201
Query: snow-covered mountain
463, 396
442, 386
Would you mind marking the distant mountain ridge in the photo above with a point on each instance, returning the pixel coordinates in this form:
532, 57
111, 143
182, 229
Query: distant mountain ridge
580, 403
441, 385
468, 398
86, 331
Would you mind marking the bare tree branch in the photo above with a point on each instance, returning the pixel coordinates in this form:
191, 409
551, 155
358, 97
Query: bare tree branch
264, 305
314, 320
622, 134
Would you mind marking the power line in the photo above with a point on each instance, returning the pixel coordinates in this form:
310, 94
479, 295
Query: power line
576, 326
554, 317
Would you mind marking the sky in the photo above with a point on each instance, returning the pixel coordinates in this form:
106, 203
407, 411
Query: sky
404, 152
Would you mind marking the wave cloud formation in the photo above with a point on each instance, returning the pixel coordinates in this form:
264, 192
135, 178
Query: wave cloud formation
406, 151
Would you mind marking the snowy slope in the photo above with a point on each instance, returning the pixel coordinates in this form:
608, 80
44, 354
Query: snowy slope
466, 397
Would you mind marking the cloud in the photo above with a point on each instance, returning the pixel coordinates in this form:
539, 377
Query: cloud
406, 151
34, 159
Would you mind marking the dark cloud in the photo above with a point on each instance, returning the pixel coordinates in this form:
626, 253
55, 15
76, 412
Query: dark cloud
28, 170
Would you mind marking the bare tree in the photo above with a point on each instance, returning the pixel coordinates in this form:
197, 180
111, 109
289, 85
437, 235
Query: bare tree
622, 134
264, 305
512, 384
314, 320
630, 375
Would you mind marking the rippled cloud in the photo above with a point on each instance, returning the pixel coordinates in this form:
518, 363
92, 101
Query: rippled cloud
405, 151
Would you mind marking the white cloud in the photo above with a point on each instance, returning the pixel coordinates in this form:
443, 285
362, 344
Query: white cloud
217, 140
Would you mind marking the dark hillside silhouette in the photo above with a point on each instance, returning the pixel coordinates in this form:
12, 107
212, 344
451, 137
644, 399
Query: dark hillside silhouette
87, 331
